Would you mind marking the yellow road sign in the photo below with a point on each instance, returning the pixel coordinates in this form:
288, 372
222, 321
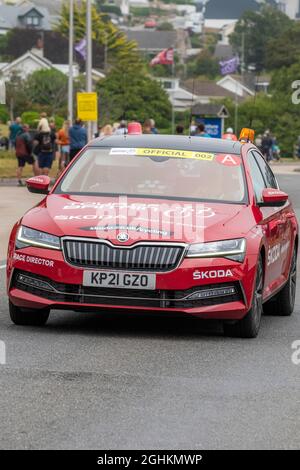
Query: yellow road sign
87, 106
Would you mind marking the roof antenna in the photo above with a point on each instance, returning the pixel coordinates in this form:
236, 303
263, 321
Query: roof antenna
191, 111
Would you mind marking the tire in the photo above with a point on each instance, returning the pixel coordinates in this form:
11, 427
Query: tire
249, 326
27, 317
282, 305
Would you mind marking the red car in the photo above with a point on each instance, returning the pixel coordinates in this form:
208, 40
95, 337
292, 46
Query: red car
161, 224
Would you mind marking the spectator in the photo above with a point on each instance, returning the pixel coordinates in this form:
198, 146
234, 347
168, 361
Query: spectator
45, 148
78, 138
179, 129
201, 131
147, 129
64, 145
153, 128
266, 146
106, 130
122, 128
24, 155
43, 124
15, 128
193, 128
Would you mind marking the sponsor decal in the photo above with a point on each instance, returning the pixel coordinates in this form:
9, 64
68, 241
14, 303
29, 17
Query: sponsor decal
167, 153
276, 251
228, 160
214, 274
129, 228
33, 260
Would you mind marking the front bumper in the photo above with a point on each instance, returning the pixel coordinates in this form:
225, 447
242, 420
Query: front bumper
172, 294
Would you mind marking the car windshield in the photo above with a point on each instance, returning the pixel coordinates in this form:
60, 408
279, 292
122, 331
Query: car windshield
157, 173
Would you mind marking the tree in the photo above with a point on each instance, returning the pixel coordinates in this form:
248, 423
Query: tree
204, 64
284, 50
258, 29
128, 92
104, 32
47, 90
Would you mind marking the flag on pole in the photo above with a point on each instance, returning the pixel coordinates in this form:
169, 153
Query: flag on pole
165, 57
229, 66
80, 47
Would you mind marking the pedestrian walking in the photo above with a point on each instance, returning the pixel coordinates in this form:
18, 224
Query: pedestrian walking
24, 146
77, 137
106, 130
64, 145
15, 128
45, 149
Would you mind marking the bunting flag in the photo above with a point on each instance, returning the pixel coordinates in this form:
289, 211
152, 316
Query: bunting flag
80, 47
229, 66
164, 57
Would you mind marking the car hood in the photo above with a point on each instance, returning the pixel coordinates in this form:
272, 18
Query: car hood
119, 218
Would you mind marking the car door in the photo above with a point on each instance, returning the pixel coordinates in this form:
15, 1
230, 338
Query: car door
284, 223
271, 224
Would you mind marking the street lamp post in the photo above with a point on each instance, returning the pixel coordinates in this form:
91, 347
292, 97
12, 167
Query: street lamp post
71, 41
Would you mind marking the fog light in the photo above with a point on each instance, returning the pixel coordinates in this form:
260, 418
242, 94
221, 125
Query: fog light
33, 282
209, 293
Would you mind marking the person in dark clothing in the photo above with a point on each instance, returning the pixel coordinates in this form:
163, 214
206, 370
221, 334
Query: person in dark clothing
179, 129
46, 142
77, 137
266, 146
24, 153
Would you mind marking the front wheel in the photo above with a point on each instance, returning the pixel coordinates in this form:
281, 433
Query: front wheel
282, 305
27, 317
249, 326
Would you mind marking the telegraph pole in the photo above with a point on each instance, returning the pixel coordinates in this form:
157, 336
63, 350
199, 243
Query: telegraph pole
71, 47
89, 57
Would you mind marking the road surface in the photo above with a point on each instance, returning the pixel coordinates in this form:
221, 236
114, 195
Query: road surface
119, 382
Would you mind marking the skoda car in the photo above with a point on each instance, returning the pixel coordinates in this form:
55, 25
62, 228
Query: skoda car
158, 223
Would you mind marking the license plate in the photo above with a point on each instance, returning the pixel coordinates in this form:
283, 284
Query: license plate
116, 279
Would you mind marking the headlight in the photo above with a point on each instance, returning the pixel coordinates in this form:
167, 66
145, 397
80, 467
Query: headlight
31, 237
231, 249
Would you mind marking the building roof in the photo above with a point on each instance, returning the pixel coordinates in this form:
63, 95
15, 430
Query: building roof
223, 51
10, 15
152, 40
210, 109
247, 83
232, 9
206, 88
170, 142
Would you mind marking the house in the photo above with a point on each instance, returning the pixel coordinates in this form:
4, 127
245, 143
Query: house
152, 41
237, 86
205, 91
30, 62
180, 98
24, 15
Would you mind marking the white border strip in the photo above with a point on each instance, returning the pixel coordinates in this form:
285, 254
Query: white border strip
3, 266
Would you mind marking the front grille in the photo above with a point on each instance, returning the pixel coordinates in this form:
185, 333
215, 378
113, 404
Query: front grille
140, 257
125, 297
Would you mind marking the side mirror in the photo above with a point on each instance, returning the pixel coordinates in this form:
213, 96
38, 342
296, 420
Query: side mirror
38, 184
273, 198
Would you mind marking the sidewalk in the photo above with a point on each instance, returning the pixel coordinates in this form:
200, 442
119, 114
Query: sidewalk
285, 168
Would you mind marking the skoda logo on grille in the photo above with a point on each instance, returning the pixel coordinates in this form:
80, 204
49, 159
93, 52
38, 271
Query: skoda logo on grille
123, 237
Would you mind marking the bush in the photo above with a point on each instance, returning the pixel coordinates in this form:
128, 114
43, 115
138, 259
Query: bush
4, 115
31, 118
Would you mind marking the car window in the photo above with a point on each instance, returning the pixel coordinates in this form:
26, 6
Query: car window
166, 173
266, 171
257, 178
